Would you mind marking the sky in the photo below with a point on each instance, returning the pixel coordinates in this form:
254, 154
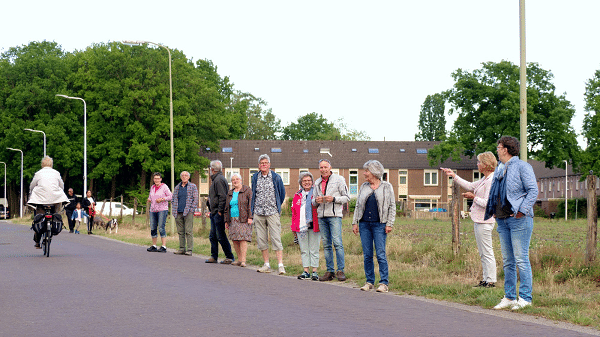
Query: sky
372, 63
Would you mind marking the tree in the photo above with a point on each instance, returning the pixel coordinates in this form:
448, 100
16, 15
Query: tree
259, 122
350, 134
432, 119
311, 126
487, 104
591, 126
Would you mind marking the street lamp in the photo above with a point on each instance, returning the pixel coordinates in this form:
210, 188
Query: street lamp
84, 140
21, 195
5, 210
566, 188
44, 138
139, 43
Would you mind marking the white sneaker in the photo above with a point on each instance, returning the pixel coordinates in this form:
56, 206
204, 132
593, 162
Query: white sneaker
520, 304
505, 303
367, 287
264, 269
383, 288
281, 270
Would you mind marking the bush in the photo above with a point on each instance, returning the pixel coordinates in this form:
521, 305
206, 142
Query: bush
352, 205
539, 212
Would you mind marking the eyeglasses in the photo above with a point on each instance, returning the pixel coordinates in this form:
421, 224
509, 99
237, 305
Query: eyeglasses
265, 164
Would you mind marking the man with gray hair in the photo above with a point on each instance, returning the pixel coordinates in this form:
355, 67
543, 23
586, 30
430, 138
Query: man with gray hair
330, 195
185, 200
268, 193
217, 197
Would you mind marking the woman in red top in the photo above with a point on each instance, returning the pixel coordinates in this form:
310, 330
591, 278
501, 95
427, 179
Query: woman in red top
306, 227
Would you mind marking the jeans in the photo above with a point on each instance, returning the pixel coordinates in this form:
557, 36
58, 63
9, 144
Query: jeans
158, 219
374, 233
515, 235
331, 233
185, 226
217, 235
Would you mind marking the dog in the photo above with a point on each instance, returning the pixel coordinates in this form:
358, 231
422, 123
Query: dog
98, 222
112, 224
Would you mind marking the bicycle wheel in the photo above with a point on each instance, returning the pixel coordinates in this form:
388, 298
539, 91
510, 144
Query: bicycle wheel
44, 246
48, 240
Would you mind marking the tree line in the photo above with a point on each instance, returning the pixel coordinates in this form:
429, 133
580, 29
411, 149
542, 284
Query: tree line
486, 103
126, 89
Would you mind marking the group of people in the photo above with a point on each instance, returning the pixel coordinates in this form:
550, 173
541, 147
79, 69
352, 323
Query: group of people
505, 195
316, 217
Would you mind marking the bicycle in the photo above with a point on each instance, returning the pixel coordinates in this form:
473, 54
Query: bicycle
47, 235
46, 226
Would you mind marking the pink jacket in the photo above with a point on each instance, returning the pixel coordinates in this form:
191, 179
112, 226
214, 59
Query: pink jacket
296, 213
162, 192
481, 189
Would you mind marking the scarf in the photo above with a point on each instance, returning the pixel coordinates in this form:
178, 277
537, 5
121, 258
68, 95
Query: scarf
307, 211
498, 190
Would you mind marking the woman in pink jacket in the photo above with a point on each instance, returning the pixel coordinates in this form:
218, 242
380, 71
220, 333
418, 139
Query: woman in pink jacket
306, 227
479, 191
159, 198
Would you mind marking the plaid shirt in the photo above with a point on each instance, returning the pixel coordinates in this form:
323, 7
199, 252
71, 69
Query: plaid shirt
191, 202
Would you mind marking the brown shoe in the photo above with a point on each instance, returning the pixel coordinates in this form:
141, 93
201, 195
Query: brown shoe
340, 276
179, 252
236, 263
210, 260
328, 276
226, 261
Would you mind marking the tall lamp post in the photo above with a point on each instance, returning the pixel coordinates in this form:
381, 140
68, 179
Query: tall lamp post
21, 195
84, 140
5, 210
32, 130
566, 188
139, 43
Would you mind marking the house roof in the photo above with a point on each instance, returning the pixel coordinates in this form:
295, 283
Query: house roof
541, 171
341, 154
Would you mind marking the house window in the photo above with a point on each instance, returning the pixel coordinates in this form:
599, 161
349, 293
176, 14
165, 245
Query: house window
305, 150
251, 173
226, 149
335, 171
430, 178
421, 151
386, 174
402, 150
324, 150
550, 186
425, 204
402, 177
353, 183
477, 175
576, 184
275, 150
373, 150
558, 186
285, 175
542, 186
229, 172
303, 170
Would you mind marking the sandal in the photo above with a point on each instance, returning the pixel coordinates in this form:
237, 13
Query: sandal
243, 264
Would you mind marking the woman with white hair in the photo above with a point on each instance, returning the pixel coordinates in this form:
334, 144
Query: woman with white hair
374, 218
238, 218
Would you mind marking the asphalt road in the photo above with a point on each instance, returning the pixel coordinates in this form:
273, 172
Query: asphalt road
93, 286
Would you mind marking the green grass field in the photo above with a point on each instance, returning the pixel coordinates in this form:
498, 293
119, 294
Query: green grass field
421, 263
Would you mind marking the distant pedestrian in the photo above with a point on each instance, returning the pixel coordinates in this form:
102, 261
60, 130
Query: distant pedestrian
70, 208
185, 200
479, 191
513, 193
268, 193
238, 218
374, 218
331, 193
89, 205
217, 197
305, 225
159, 198
78, 216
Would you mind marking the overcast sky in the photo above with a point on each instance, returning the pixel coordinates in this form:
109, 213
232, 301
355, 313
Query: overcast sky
371, 62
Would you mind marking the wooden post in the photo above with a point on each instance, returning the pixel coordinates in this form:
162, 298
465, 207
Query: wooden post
110, 208
592, 220
134, 210
455, 209
121, 214
147, 213
203, 210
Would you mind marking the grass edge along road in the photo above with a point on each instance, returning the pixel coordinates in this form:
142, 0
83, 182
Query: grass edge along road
421, 263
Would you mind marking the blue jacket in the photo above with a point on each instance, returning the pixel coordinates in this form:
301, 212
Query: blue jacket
279, 190
521, 187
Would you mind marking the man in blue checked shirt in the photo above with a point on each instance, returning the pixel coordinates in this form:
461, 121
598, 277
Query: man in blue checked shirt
513, 193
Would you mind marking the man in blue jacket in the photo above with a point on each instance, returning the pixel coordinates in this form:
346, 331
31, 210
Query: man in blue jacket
268, 193
513, 193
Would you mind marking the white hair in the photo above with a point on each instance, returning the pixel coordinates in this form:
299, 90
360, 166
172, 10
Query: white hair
216, 165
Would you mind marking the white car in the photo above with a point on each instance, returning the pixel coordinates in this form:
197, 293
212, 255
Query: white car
116, 208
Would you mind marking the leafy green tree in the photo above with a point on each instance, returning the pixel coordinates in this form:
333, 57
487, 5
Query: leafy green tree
348, 133
590, 157
311, 126
432, 119
487, 104
259, 122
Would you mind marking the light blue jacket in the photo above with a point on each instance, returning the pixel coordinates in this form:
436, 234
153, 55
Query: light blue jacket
521, 186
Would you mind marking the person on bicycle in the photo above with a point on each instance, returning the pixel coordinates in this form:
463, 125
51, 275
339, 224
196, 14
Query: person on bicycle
46, 188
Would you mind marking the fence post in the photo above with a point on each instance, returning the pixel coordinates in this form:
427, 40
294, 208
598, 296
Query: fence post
121, 214
455, 209
592, 220
202, 210
134, 210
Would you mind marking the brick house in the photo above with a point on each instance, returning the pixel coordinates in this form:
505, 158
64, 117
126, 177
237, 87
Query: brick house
416, 184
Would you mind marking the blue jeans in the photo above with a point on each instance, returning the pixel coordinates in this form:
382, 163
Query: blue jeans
158, 219
217, 235
374, 233
331, 233
515, 235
